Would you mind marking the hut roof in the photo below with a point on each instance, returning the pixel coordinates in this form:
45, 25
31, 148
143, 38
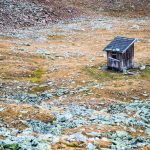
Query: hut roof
120, 44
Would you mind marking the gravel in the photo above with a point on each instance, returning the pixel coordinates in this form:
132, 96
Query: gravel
78, 116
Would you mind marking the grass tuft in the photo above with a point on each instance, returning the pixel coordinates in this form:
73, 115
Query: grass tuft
145, 74
37, 76
11, 146
75, 144
56, 37
39, 89
103, 74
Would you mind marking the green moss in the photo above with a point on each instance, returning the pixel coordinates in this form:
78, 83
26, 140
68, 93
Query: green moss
39, 89
74, 144
103, 74
10, 146
145, 74
37, 76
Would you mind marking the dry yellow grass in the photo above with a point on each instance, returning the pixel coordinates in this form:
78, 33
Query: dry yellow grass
22, 65
13, 114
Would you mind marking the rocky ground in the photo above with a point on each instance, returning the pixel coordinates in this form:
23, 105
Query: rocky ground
55, 91
16, 14
21, 14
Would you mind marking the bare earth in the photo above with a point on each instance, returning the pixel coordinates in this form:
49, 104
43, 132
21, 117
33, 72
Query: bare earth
70, 56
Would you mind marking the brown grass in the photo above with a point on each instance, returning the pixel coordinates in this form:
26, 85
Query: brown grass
13, 114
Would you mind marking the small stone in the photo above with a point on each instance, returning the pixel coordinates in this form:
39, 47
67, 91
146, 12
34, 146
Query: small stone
148, 131
46, 95
135, 98
27, 131
77, 136
44, 146
90, 146
43, 52
121, 134
132, 130
56, 140
23, 111
135, 27
142, 67
34, 143
41, 39
66, 55
64, 117
26, 44
32, 95
2, 57
146, 95
2, 109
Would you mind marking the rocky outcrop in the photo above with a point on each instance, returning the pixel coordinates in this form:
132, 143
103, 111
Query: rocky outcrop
26, 13
16, 14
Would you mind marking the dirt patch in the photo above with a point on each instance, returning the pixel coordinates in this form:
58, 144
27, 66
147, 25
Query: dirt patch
13, 115
68, 78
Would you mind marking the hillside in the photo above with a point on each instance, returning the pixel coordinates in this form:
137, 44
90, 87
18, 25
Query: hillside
132, 8
20, 13
116, 7
56, 91
17, 14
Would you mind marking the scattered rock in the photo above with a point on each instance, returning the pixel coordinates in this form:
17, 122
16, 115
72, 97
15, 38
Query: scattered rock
43, 52
65, 117
77, 136
142, 67
122, 134
135, 27
148, 132
2, 57
90, 146
146, 95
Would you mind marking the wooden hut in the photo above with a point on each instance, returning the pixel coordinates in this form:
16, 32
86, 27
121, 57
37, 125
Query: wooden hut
120, 53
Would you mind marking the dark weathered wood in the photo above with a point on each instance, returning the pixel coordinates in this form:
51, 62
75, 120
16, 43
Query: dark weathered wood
121, 61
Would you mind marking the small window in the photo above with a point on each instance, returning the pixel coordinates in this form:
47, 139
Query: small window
114, 55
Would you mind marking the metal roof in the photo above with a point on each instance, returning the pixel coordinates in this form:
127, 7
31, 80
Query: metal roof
120, 44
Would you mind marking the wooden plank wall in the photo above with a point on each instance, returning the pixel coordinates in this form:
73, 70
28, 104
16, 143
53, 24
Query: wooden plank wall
126, 59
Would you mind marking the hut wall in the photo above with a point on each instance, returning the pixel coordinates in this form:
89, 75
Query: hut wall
128, 58
132, 53
114, 62
121, 61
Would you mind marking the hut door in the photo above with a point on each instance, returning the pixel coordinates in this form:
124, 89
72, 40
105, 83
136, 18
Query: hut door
113, 63
114, 55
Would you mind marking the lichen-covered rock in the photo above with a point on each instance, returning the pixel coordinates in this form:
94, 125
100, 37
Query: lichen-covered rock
79, 137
